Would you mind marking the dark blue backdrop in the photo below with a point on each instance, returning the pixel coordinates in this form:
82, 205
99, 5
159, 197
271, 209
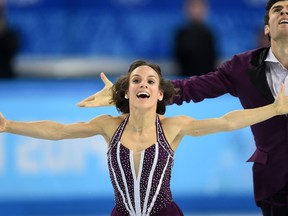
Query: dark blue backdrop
126, 28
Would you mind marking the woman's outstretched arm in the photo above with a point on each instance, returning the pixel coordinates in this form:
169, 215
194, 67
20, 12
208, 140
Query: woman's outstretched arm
234, 120
51, 130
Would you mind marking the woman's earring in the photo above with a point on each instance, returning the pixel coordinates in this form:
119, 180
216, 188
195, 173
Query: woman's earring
126, 97
160, 99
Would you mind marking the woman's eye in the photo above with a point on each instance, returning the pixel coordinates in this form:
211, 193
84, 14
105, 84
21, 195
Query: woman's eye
136, 81
151, 82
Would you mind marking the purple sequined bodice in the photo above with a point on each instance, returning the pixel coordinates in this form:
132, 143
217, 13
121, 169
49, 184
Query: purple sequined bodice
149, 191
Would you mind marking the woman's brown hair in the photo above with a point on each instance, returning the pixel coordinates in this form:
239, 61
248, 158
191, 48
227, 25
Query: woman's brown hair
122, 84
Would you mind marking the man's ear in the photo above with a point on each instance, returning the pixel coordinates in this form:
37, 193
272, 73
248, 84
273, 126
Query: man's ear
266, 30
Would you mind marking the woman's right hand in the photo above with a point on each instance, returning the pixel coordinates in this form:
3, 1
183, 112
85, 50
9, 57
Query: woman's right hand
101, 98
281, 101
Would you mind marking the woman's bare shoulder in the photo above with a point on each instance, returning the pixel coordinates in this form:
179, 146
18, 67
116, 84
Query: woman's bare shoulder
110, 117
108, 123
108, 120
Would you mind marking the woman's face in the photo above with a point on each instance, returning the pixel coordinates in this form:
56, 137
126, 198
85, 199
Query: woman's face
143, 91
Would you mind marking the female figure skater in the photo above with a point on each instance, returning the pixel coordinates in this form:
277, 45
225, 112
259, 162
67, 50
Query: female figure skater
141, 141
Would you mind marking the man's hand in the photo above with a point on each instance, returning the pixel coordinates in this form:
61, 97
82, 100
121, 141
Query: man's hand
2, 123
101, 98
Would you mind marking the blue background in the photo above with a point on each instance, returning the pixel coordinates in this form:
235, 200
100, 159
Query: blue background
70, 177
72, 174
127, 28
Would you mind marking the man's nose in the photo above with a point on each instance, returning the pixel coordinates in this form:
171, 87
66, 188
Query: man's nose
284, 11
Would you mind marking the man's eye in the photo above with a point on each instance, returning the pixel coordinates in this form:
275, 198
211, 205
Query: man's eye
276, 10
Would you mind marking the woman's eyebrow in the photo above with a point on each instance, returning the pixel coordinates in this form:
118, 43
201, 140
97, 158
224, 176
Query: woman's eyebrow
135, 75
154, 77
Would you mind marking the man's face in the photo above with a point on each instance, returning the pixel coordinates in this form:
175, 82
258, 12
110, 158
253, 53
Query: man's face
277, 27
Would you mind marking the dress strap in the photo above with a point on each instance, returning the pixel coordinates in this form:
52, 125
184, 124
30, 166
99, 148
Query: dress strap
118, 133
161, 138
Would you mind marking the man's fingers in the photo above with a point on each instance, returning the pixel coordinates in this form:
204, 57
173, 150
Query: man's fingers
99, 98
90, 104
282, 90
105, 79
82, 104
90, 98
85, 101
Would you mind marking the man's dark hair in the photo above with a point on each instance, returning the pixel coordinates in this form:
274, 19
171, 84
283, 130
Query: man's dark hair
122, 84
269, 4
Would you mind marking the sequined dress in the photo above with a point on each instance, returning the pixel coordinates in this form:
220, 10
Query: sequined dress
148, 192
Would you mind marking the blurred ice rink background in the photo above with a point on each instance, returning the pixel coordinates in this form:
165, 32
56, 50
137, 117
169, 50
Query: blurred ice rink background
65, 44
67, 177
72, 37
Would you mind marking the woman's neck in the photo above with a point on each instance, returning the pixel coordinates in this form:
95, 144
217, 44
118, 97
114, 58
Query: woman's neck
140, 121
